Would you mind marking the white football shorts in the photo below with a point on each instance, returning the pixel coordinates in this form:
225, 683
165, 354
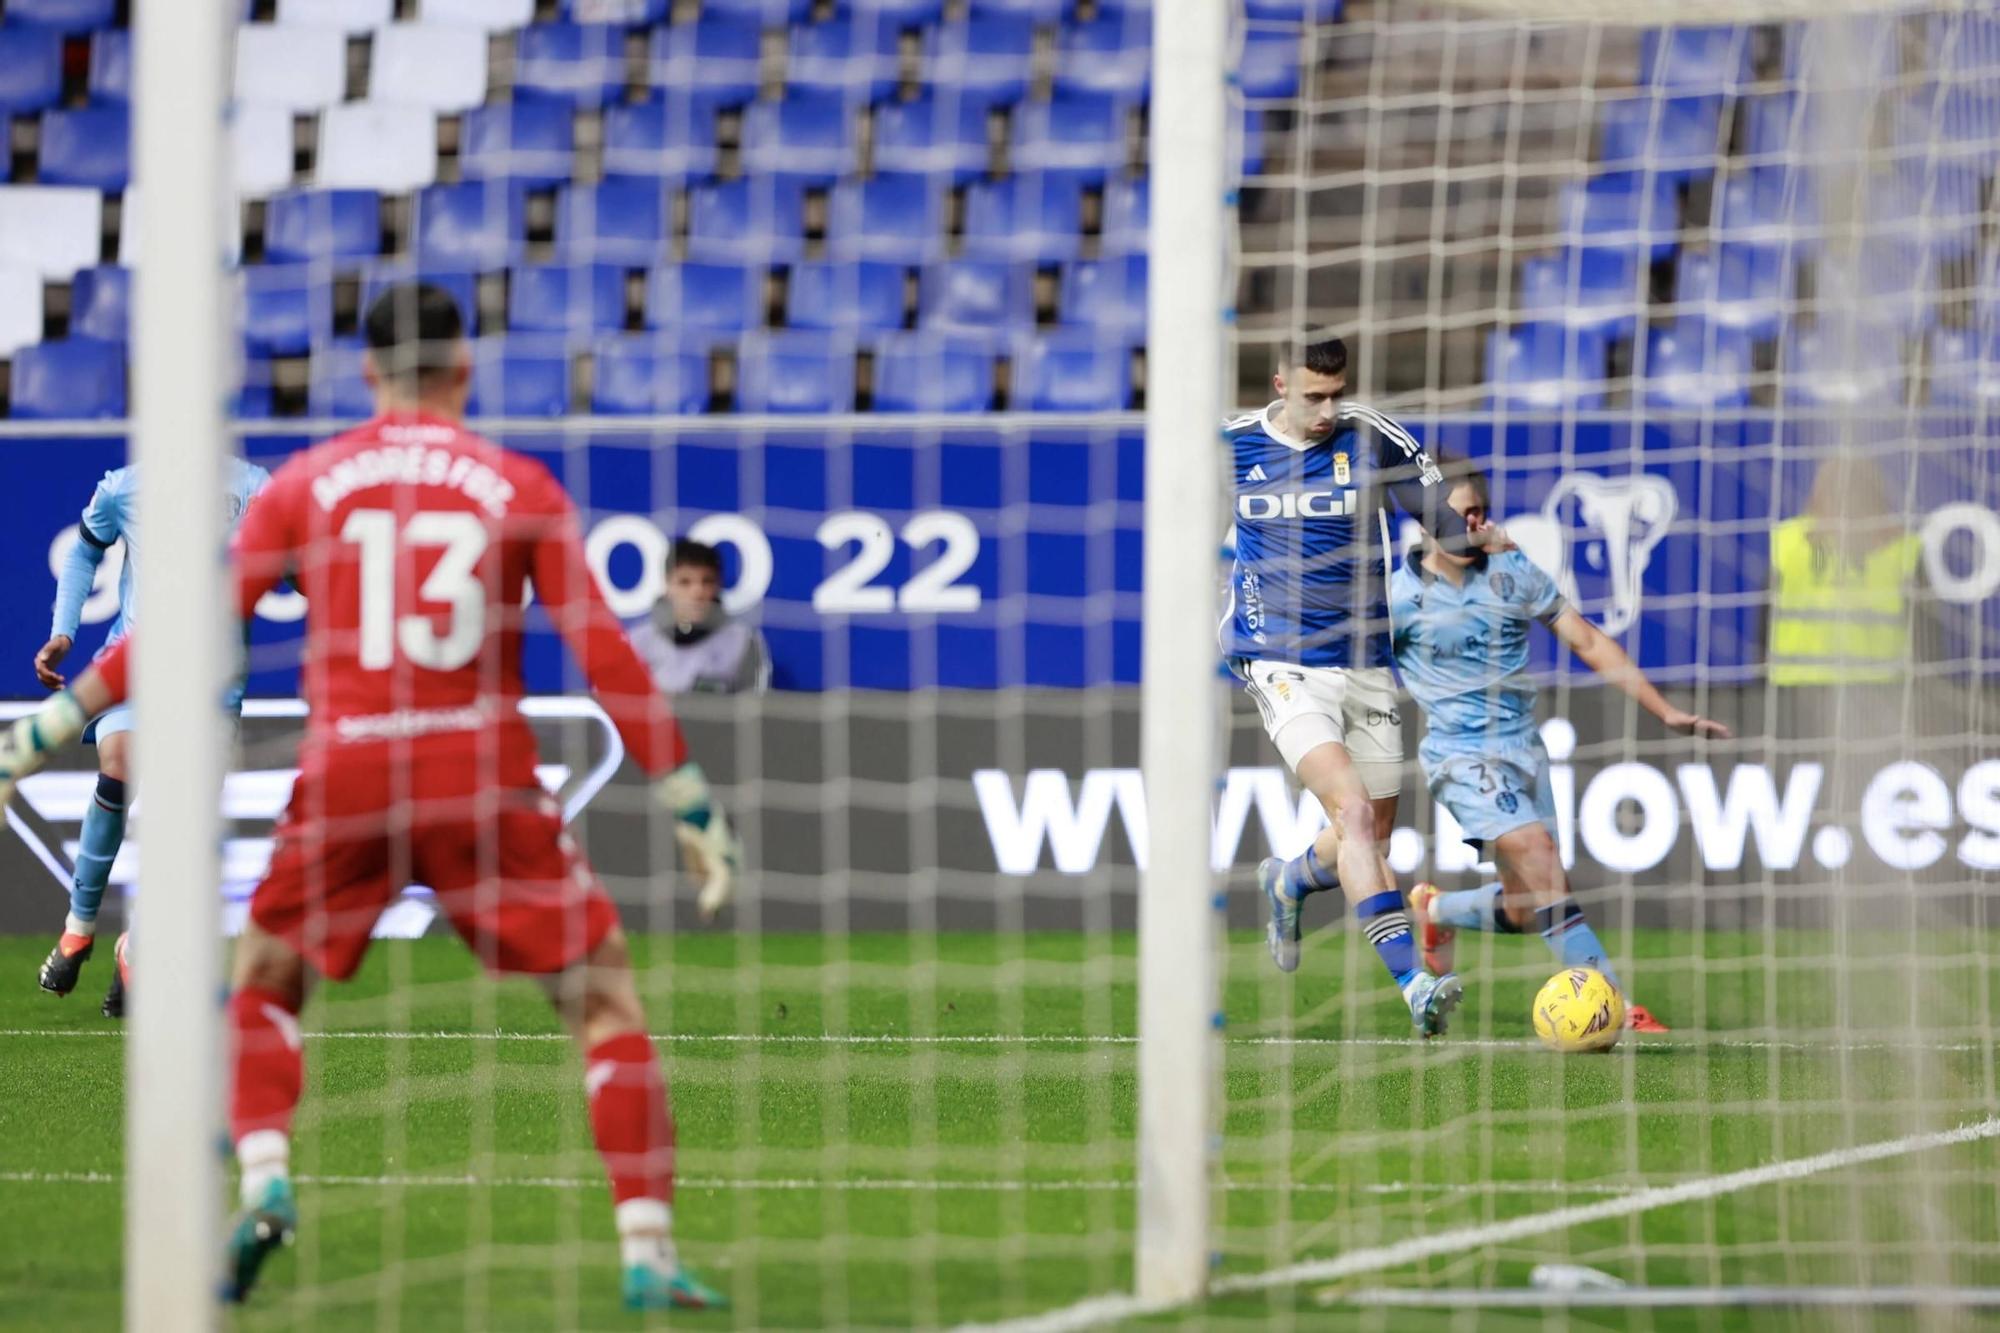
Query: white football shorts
1306, 707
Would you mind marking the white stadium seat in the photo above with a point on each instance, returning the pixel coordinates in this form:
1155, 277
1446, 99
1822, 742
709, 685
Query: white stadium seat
20, 308
377, 146
429, 64
487, 15
52, 229
260, 140
304, 69
352, 16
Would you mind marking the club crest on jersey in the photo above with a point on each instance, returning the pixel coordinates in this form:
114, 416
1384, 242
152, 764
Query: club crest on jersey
1343, 475
1295, 504
1503, 584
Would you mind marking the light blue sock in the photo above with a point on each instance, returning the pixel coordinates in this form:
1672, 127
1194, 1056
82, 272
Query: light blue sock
1473, 909
1572, 940
103, 831
1306, 874
1387, 926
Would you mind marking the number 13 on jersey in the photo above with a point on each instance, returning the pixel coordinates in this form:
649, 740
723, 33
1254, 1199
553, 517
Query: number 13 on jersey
453, 586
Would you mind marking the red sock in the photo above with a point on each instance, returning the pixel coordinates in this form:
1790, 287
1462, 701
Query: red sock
268, 1065
629, 1117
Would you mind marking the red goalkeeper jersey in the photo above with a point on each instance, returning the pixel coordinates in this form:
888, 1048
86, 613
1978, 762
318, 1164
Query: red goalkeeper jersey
414, 542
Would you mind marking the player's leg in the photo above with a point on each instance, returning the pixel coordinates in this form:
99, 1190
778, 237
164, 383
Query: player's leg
103, 833
267, 1064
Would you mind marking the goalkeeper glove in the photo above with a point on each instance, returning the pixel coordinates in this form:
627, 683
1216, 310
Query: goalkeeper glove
708, 844
26, 746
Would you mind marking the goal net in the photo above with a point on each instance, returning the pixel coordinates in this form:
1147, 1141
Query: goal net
1714, 308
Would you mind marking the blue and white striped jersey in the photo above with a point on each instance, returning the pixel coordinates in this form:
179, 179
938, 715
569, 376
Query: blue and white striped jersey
1463, 649
1312, 535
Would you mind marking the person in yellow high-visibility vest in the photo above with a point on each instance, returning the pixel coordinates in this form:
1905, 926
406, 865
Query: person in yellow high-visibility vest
1841, 578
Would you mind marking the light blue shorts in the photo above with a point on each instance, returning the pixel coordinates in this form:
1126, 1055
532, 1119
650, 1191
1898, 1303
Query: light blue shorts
110, 722
1493, 791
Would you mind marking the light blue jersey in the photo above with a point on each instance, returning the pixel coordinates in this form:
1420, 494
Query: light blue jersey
1463, 652
111, 517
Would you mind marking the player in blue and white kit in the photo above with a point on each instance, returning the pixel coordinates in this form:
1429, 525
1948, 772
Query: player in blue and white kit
1461, 640
111, 517
1307, 631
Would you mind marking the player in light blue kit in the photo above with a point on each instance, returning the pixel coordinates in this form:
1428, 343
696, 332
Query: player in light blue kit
1307, 632
1461, 626
111, 517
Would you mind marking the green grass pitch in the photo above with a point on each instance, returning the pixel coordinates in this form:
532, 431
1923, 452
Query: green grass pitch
984, 1170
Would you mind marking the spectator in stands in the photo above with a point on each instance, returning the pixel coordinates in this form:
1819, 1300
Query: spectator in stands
690, 642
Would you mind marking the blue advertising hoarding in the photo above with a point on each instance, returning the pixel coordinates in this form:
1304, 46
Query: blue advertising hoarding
1007, 552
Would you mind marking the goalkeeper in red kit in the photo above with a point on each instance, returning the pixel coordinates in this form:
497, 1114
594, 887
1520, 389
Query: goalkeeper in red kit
412, 540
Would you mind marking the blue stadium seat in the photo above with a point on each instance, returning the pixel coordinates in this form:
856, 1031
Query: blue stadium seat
1676, 137
987, 58
530, 139
705, 300
631, 13
334, 385
907, 13
806, 136
1072, 370
993, 298
73, 379
921, 372
1956, 125
623, 220
576, 63
1080, 133
647, 374
1294, 11
63, 15
286, 309
1269, 67
1964, 370
253, 394
670, 138
1815, 375
857, 57
1774, 205
462, 285
1540, 367
100, 303
861, 296
934, 135
1108, 295
111, 65
1587, 288
760, 219
897, 216
714, 61
520, 377
1964, 43
795, 370
769, 13
1697, 365
1127, 214
473, 224
1623, 209
323, 224
566, 298
89, 145
1696, 60
1024, 217
30, 69
1036, 11
1736, 286
1110, 54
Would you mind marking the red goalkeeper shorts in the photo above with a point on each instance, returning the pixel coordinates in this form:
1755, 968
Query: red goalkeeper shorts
506, 872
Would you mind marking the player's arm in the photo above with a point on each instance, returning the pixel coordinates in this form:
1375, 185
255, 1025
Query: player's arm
94, 537
625, 688
1603, 655
1419, 488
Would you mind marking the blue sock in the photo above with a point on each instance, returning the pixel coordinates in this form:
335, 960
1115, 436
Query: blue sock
1572, 940
1473, 909
1387, 926
103, 830
1307, 874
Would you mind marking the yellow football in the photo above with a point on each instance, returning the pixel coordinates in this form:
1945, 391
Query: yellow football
1579, 1010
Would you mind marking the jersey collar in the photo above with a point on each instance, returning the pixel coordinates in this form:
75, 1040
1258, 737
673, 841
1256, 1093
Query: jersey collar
1415, 560
1269, 421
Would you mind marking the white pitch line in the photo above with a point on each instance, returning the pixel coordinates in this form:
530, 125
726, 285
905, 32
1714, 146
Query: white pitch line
1654, 1298
1099, 1310
867, 1184
863, 1039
